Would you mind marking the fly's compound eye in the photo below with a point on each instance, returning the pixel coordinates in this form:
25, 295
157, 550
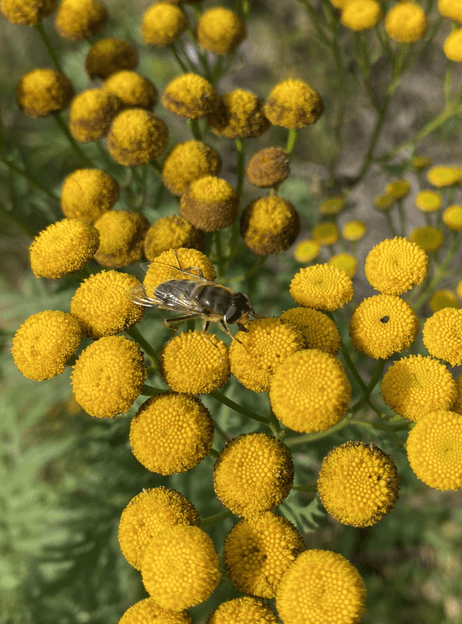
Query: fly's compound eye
238, 307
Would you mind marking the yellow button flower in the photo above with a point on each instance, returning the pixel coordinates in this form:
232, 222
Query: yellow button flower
108, 376
87, 194
354, 230
293, 104
171, 433
258, 551
358, 484
383, 325
434, 450
429, 238
268, 167
406, 22
459, 289
442, 299
80, 19
306, 251
92, 113
345, 262
321, 286
162, 24
210, 204
398, 189
395, 265
149, 513
321, 587
44, 343
29, 12
170, 233
442, 335
42, 92
121, 235
187, 162
416, 385
134, 90
190, 95
453, 46
180, 568
253, 473
428, 201
244, 609
452, 217
325, 233
451, 9
63, 247
239, 115
361, 14
384, 202
318, 330
332, 205
444, 175
261, 349
148, 611
108, 56
310, 391
420, 162
220, 31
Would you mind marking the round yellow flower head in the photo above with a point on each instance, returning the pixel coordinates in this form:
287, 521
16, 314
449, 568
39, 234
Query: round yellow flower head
310, 391
444, 175
321, 286
453, 46
457, 407
361, 14
420, 162
80, 19
253, 473
383, 325
321, 586
416, 385
325, 233
171, 433
442, 299
442, 335
332, 205
358, 484
429, 238
451, 9
121, 235
260, 350
258, 551
44, 343
318, 330
180, 568
306, 251
293, 104
269, 225
170, 233
134, 90
241, 610
102, 306
384, 202
63, 247
195, 363
452, 217
406, 22
398, 189
239, 115
28, 12
345, 262
42, 92
428, 201
210, 204
92, 113
395, 265
148, 514
434, 450
354, 230
108, 56
187, 162
162, 24
148, 611
87, 194
219, 30
268, 167
190, 95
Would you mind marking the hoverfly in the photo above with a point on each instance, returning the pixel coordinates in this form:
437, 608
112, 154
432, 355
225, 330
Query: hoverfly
197, 297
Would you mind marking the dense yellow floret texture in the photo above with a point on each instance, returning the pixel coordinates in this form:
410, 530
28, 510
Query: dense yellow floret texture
92, 113
406, 22
172, 265
121, 238
148, 610
442, 335
80, 19
42, 92
239, 115
190, 96
244, 609
87, 194
171, 233
29, 12
293, 104
269, 225
187, 162
321, 286
219, 30
318, 330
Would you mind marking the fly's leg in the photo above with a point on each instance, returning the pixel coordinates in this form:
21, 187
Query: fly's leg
179, 319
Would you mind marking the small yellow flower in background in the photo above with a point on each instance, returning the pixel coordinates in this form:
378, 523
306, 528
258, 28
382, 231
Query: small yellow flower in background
134, 90
452, 217
442, 335
210, 203
384, 202
321, 286
29, 12
457, 407
149, 513
170, 233
244, 609
358, 484
102, 306
406, 22
148, 611
42, 92
258, 551
108, 376
318, 330
434, 450
428, 201
395, 265
165, 267
459, 289
180, 568
420, 162
92, 113
253, 473
171, 433
310, 391
187, 162
443, 299
451, 9
87, 194
321, 587
239, 115
383, 325
293, 104
429, 238
190, 96
325, 233
416, 385
306, 251
345, 262
195, 363
268, 167
80, 19
361, 14
332, 205
398, 189
162, 24
444, 175
219, 30
63, 247
453, 46
261, 349
121, 238
354, 230
44, 343
269, 225
108, 56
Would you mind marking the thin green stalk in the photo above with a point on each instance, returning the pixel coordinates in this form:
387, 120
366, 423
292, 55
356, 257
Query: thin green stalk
156, 167
16, 221
402, 217
214, 453
314, 437
200, 55
381, 426
211, 520
363, 60
134, 333
75, 146
370, 387
317, 23
195, 129
305, 488
240, 151
390, 223
375, 135
221, 398
256, 267
151, 391
293, 134
31, 181
49, 46
178, 59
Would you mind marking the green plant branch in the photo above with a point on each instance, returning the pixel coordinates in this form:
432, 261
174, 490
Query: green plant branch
195, 129
211, 520
31, 181
75, 146
314, 437
151, 391
178, 58
240, 151
134, 333
221, 398
304, 488
49, 46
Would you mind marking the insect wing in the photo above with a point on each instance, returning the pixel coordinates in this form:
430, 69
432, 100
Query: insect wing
137, 294
178, 296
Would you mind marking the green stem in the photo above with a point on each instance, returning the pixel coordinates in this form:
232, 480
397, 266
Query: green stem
370, 386
314, 437
256, 267
151, 391
195, 129
178, 59
381, 427
134, 333
291, 142
15, 221
75, 146
390, 223
375, 135
156, 167
316, 22
304, 488
214, 453
240, 165
221, 398
207, 522
402, 217
49, 46
31, 181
